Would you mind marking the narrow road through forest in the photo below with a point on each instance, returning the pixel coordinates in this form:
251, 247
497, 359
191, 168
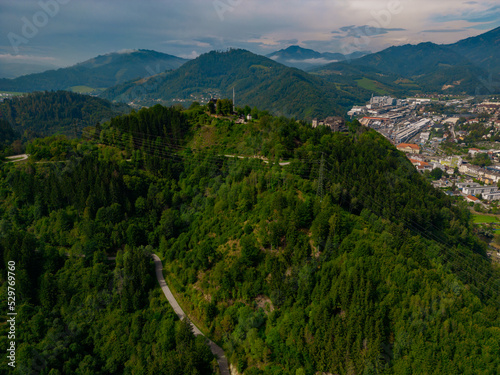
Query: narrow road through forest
216, 350
16, 158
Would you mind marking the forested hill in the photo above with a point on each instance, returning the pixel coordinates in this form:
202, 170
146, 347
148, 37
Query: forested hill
45, 113
343, 260
98, 73
257, 81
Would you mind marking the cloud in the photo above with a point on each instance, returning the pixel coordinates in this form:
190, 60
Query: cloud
443, 31
490, 14
7, 57
320, 61
289, 41
485, 26
365, 30
191, 27
193, 55
126, 51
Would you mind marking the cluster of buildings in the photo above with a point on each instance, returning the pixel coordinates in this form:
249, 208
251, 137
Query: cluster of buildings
488, 176
396, 119
336, 124
448, 164
489, 193
5, 95
472, 191
410, 130
405, 120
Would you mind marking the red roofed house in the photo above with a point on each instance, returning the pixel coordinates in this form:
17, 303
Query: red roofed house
471, 198
421, 165
474, 151
409, 148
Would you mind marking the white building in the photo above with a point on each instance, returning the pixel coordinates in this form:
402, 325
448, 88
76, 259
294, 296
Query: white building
476, 190
382, 101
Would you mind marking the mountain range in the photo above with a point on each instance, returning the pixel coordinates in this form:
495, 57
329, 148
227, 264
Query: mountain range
257, 81
98, 73
274, 83
469, 66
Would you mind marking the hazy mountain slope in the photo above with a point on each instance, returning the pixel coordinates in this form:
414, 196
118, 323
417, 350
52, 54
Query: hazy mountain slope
16, 69
100, 72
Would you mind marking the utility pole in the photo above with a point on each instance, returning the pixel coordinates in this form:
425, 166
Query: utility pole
321, 177
234, 103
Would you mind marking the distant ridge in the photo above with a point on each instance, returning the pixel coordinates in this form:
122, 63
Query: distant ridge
97, 73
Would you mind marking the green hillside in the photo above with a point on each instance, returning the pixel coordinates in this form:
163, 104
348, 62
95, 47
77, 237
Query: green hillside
257, 80
45, 113
342, 260
483, 50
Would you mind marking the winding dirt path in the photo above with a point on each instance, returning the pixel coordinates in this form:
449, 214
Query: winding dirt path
16, 158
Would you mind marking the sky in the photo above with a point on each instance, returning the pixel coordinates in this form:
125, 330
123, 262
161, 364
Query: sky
64, 32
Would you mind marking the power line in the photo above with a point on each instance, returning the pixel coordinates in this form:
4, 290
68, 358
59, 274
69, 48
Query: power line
178, 153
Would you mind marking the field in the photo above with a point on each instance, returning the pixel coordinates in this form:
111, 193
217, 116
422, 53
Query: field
12, 93
480, 219
82, 89
372, 85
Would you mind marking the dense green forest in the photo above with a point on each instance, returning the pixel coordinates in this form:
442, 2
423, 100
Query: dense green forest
342, 259
7, 137
45, 113
7, 134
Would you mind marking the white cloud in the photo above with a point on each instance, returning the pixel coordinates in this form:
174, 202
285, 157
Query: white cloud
7, 57
320, 61
126, 51
193, 55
